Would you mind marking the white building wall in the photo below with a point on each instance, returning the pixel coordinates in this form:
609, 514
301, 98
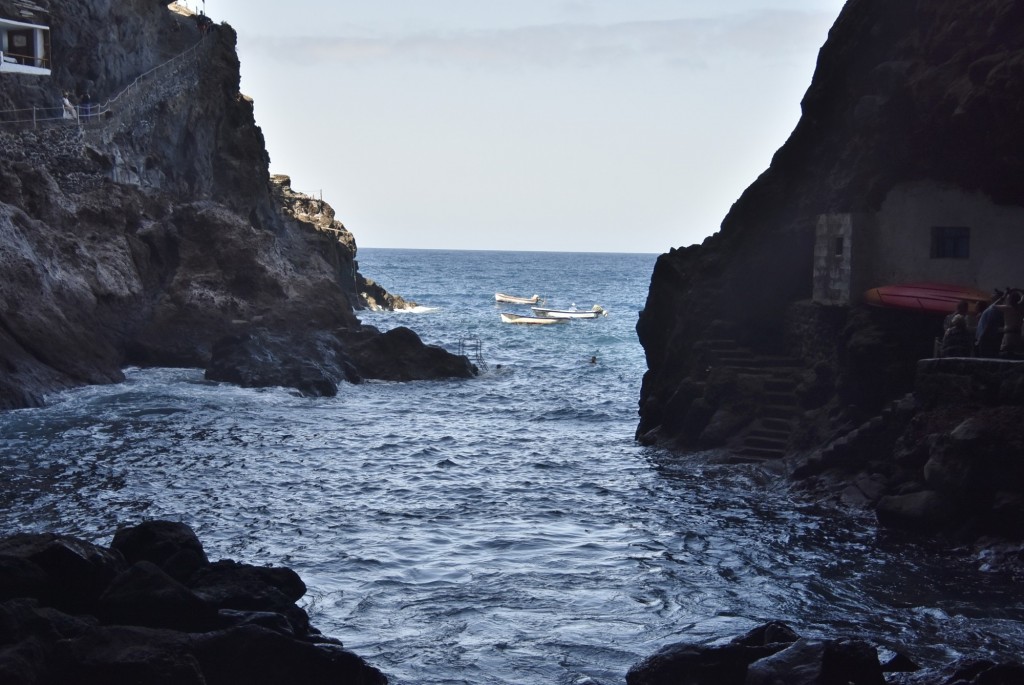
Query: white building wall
901, 246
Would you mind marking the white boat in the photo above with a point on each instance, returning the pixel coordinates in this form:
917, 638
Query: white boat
592, 313
535, 320
512, 299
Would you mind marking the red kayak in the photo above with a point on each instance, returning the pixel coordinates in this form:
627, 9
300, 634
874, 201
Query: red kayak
940, 298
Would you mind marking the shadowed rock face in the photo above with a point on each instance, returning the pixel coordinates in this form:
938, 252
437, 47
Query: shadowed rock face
903, 92
147, 234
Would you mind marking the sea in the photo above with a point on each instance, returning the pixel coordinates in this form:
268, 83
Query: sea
502, 529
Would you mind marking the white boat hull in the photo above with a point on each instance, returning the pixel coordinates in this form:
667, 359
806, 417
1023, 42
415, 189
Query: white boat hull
512, 299
570, 313
530, 320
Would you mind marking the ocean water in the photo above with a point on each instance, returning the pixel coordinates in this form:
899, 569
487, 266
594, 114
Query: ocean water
504, 529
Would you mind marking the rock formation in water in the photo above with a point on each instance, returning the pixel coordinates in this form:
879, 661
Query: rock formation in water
146, 232
773, 653
918, 100
152, 608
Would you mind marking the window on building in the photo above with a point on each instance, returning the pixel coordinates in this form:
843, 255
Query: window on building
837, 250
951, 242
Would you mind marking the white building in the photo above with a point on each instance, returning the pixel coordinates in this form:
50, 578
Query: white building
924, 232
24, 48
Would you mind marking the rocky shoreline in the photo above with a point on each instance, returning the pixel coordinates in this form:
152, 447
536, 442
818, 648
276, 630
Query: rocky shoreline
152, 608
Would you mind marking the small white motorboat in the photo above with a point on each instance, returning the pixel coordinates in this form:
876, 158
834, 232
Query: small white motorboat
592, 313
512, 299
535, 320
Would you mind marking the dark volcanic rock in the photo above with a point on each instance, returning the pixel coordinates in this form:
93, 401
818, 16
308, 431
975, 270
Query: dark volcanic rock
774, 655
767, 655
146, 234
902, 93
170, 545
706, 664
145, 595
400, 355
315, 363
252, 654
944, 460
69, 620
919, 96
75, 572
230, 585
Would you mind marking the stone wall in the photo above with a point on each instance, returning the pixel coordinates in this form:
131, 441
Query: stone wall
959, 381
832, 259
813, 330
42, 146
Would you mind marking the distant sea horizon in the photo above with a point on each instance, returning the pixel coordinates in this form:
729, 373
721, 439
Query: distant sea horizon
516, 251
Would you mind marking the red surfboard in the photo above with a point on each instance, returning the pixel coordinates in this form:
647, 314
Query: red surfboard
939, 298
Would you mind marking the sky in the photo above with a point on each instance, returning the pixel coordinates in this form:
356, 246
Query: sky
551, 125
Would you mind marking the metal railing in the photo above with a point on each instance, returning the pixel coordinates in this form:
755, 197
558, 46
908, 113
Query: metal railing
89, 113
24, 60
472, 348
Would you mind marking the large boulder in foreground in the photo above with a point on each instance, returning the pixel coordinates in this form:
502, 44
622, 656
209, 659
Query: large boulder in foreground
315, 362
152, 609
772, 654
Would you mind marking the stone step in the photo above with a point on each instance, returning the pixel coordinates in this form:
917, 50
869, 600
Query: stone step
771, 361
774, 411
781, 399
761, 452
767, 443
721, 344
780, 385
739, 361
745, 459
770, 433
777, 423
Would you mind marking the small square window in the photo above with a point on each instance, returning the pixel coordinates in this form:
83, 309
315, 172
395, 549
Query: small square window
951, 242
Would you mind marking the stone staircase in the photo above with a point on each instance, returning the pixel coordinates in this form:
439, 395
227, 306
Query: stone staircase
767, 438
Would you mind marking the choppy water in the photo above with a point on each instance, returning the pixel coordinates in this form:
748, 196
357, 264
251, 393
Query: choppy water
505, 529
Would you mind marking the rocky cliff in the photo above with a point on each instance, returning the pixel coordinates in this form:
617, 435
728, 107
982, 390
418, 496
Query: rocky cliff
740, 357
146, 232
903, 92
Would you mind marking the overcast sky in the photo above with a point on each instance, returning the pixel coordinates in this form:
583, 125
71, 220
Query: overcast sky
579, 125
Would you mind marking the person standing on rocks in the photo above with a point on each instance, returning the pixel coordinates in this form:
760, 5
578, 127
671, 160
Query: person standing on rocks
957, 337
69, 110
990, 323
1012, 307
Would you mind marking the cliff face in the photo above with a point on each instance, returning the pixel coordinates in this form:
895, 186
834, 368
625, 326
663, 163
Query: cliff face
903, 92
142, 234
